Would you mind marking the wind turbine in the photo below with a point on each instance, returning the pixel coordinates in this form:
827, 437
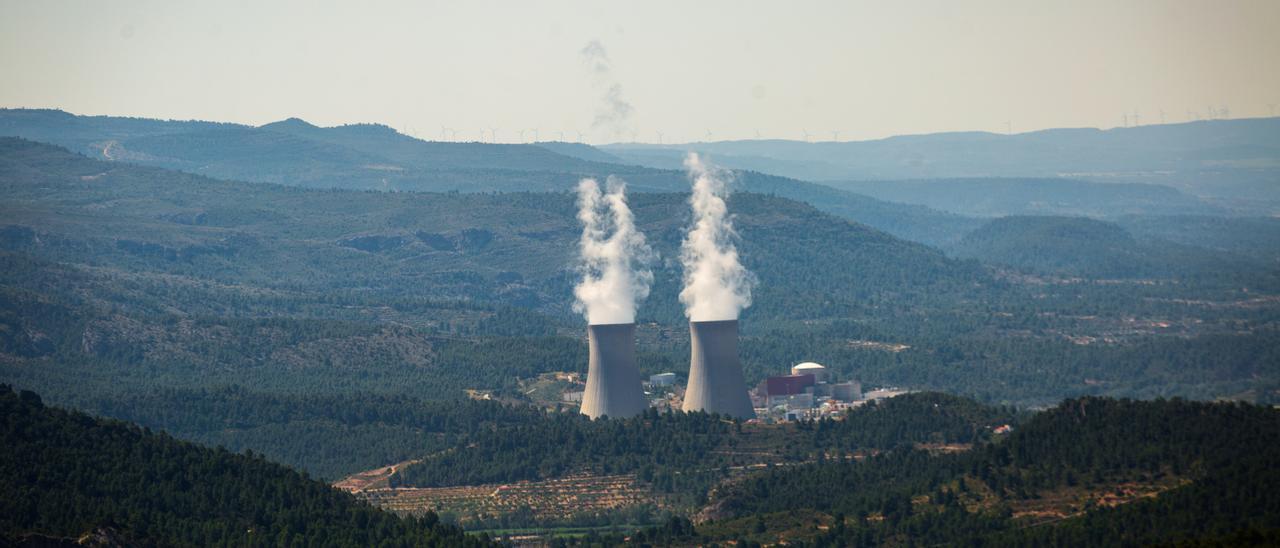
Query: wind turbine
1161, 116
561, 136
493, 134
443, 132
757, 134
835, 135
1137, 119
708, 136
1008, 127
806, 134
1124, 118
1226, 112
535, 134
520, 133
634, 133
659, 136
580, 134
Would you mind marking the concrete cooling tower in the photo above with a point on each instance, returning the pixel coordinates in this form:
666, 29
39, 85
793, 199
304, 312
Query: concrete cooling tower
716, 384
613, 381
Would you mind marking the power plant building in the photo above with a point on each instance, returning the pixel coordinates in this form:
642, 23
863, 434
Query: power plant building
716, 383
613, 380
788, 385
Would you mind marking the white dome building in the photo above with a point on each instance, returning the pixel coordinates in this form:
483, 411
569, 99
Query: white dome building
819, 372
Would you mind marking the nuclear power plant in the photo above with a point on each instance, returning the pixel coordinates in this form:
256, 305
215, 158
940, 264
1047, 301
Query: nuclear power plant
716, 384
613, 380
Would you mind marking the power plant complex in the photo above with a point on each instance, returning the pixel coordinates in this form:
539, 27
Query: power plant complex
716, 383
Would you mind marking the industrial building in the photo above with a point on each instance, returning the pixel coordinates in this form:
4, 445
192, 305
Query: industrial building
662, 379
788, 385
846, 391
716, 383
806, 393
613, 380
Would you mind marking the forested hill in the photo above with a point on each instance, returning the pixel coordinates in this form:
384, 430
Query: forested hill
369, 156
506, 248
64, 474
1079, 246
1090, 472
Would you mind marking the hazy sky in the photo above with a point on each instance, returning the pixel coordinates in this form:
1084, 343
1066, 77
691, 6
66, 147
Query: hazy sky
734, 68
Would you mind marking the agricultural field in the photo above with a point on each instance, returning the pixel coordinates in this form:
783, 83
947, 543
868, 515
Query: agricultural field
559, 500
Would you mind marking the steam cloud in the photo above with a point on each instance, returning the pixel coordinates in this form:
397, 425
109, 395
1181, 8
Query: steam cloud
716, 286
614, 113
615, 275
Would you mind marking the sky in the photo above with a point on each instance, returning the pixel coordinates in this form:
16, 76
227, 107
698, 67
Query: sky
648, 71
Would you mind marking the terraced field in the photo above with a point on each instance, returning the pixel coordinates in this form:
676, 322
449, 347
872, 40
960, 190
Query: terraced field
544, 501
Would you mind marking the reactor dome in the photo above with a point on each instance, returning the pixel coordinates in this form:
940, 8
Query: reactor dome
810, 368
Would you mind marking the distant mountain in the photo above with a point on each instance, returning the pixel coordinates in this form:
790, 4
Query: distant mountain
1243, 143
368, 156
1043, 196
1258, 237
517, 242
66, 474
1227, 161
583, 152
1078, 246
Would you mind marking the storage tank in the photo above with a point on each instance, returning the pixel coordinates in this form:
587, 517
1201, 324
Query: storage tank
613, 380
716, 384
818, 371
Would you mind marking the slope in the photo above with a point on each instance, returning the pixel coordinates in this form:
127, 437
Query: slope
64, 473
369, 156
1079, 246
1088, 472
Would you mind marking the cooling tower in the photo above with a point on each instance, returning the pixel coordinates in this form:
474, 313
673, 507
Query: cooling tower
716, 384
613, 381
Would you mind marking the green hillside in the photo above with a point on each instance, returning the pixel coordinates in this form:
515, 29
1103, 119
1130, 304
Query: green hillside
1079, 246
65, 474
1094, 472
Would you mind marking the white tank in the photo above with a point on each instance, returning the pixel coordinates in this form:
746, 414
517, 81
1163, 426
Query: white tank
819, 372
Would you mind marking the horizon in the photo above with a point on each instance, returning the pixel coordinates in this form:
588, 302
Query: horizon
853, 72
432, 139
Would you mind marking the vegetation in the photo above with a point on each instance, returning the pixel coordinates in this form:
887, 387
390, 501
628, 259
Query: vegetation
64, 473
329, 436
1079, 246
1210, 469
685, 454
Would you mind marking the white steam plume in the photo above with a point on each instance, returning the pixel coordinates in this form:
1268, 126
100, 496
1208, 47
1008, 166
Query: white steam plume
615, 275
716, 286
614, 113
